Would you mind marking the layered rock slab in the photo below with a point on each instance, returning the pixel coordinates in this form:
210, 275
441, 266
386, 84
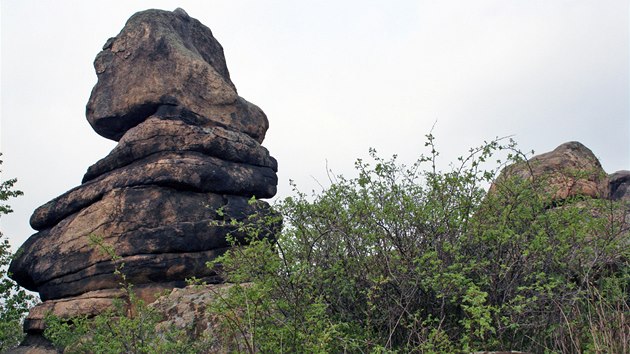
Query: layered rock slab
160, 233
184, 170
162, 135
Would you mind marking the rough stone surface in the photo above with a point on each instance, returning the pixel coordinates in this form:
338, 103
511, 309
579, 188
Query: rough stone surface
163, 58
185, 308
569, 170
189, 162
90, 304
184, 170
162, 234
620, 185
157, 135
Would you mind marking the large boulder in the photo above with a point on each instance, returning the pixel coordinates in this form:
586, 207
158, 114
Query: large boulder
187, 171
163, 58
570, 170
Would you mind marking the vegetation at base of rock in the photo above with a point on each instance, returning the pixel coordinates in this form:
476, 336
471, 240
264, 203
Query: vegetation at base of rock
119, 331
14, 301
131, 326
412, 259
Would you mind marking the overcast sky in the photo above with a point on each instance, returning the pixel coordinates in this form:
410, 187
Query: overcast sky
335, 78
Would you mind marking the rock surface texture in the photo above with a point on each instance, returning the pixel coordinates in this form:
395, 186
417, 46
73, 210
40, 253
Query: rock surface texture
569, 170
188, 146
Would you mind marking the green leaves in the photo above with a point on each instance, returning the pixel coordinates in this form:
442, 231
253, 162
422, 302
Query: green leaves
14, 301
411, 258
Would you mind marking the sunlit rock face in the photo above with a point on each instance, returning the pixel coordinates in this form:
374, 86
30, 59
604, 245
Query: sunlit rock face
188, 146
570, 170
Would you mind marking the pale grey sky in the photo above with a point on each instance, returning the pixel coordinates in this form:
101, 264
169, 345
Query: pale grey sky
334, 78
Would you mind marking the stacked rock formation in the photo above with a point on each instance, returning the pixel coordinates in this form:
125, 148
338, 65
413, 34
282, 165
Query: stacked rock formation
188, 146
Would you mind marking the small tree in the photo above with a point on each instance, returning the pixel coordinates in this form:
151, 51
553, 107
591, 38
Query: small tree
15, 301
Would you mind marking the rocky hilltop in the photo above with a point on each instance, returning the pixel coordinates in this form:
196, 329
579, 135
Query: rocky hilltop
188, 145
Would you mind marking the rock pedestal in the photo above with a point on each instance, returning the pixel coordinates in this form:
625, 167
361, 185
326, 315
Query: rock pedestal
188, 146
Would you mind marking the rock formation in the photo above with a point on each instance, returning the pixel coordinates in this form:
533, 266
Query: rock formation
571, 174
188, 146
570, 170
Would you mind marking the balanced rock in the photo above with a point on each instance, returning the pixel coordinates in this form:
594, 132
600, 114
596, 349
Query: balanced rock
163, 58
188, 163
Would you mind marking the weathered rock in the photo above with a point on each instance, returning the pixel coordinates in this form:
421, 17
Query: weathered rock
92, 303
88, 304
35, 343
157, 135
188, 147
140, 269
569, 170
620, 185
183, 170
163, 58
162, 234
186, 309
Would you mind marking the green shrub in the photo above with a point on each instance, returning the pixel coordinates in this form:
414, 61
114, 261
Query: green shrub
15, 301
412, 259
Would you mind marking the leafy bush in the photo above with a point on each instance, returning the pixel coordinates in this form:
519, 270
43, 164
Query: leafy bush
412, 259
15, 301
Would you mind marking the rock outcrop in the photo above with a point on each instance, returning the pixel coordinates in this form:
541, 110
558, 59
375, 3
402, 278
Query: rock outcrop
619, 187
572, 175
569, 170
188, 146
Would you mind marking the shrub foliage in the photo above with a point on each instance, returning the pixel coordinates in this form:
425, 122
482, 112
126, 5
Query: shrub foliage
414, 259
14, 301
